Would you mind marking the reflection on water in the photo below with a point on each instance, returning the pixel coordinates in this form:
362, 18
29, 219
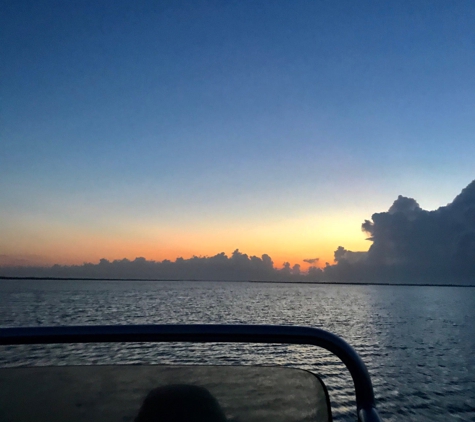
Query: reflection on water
417, 342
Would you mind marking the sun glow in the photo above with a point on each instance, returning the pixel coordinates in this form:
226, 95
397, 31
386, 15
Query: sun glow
285, 240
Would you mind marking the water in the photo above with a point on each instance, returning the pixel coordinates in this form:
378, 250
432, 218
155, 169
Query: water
418, 342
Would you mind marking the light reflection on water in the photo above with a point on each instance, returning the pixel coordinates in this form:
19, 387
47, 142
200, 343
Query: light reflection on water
417, 342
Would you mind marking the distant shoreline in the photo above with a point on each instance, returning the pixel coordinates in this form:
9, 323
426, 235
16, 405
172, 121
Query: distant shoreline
341, 283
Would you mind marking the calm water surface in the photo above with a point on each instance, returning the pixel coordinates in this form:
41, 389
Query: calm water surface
418, 342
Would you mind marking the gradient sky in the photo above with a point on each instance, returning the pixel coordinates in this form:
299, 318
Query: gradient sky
166, 129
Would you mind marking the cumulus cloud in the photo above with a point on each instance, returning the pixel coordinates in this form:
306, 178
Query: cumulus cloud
342, 254
410, 243
238, 266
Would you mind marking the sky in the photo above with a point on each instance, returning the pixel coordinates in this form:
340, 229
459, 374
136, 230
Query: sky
166, 129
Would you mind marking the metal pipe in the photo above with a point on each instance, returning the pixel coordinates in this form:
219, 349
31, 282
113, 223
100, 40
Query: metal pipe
209, 333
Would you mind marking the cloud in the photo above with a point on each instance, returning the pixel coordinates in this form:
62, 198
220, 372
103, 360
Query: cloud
341, 254
410, 243
238, 266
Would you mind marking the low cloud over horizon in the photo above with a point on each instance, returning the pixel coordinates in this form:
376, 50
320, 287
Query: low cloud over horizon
238, 266
409, 244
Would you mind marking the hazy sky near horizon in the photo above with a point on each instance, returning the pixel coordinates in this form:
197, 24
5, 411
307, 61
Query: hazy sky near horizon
174, 128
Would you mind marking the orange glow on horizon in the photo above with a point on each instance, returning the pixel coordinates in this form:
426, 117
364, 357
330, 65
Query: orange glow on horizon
291, 240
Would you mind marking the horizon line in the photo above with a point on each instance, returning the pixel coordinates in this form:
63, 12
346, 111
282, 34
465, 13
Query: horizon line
350, 283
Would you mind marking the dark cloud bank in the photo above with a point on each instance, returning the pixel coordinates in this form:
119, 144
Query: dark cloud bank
409, 245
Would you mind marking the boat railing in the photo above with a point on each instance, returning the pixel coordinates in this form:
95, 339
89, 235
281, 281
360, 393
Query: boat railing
365, 400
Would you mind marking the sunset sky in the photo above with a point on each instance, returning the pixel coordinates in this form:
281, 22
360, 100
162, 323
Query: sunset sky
180, 128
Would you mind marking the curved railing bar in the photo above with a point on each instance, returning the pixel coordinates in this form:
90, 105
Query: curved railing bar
211, 334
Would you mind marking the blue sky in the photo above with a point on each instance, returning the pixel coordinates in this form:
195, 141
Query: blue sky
195, 127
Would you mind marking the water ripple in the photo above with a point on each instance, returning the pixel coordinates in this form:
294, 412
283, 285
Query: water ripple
417, 342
